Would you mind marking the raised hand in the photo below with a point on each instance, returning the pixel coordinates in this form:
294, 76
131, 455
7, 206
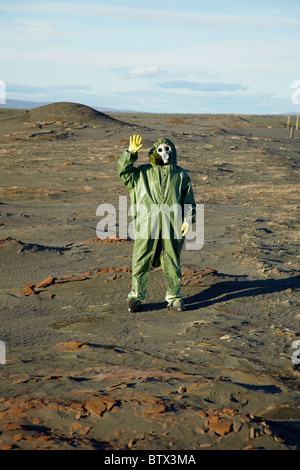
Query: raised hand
135, 143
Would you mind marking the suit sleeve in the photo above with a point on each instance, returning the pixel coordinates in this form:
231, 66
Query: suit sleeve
126, 170
188, 200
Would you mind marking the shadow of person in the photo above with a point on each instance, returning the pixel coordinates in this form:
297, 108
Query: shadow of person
151, 306
222, 291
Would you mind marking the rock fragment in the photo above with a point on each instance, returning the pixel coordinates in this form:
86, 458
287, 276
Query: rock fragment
221, 427
29, 289
46, 282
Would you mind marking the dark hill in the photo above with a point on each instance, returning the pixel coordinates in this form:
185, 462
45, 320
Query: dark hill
67, 112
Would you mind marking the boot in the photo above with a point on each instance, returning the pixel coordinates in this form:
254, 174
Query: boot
178, 305
134, 305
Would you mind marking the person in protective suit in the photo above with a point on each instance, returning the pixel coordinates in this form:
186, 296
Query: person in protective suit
160, 191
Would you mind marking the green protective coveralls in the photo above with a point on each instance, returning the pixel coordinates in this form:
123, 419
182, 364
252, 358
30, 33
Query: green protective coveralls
154, 190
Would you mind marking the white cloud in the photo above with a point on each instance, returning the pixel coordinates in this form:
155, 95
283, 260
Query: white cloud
141, 72
201, 86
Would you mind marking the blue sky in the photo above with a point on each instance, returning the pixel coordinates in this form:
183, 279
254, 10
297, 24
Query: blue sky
172, 56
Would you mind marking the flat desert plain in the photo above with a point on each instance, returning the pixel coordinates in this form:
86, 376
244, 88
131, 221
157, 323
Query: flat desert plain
80, 372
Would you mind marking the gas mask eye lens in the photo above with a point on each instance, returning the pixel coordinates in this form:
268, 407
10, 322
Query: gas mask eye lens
160, 149
167, 149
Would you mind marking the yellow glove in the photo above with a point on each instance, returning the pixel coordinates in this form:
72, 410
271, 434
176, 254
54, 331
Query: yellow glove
184, 228
135, 143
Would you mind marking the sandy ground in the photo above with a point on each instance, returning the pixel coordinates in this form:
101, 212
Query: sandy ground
83, 373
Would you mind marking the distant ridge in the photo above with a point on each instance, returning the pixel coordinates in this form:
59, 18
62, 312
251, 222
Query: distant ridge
20, 104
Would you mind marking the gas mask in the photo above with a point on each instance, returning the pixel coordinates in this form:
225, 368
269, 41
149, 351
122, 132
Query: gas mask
164, 151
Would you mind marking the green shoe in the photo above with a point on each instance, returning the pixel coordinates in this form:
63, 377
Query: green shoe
134, 305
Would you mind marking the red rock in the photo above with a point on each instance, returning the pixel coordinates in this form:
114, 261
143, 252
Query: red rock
28, 290
71, 344
214, 419
96, 405
209, 271
103, 271
7, 447
70, 278
85, 430
221, 427
10, 426
52, 377
131, 443
199, 430
46, 282
181, 389
5, 239
157, 406
228, 411
237, 426
109, 401
20, 379
75, 427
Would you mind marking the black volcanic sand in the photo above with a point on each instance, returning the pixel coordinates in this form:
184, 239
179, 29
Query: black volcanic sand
83, 373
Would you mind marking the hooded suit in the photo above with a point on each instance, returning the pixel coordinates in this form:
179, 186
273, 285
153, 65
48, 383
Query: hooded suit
159, 193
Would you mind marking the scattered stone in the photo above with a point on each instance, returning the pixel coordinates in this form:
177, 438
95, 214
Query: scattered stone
267, 431
29, 289
85, 430
131, 443
177, 121
72, 345
182, 389
221, 427
96, 405
109, 401
70, 278
200, 430
99, 405
237, 426
17, 437
7, 447
46, 282
75, 427
21, 379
